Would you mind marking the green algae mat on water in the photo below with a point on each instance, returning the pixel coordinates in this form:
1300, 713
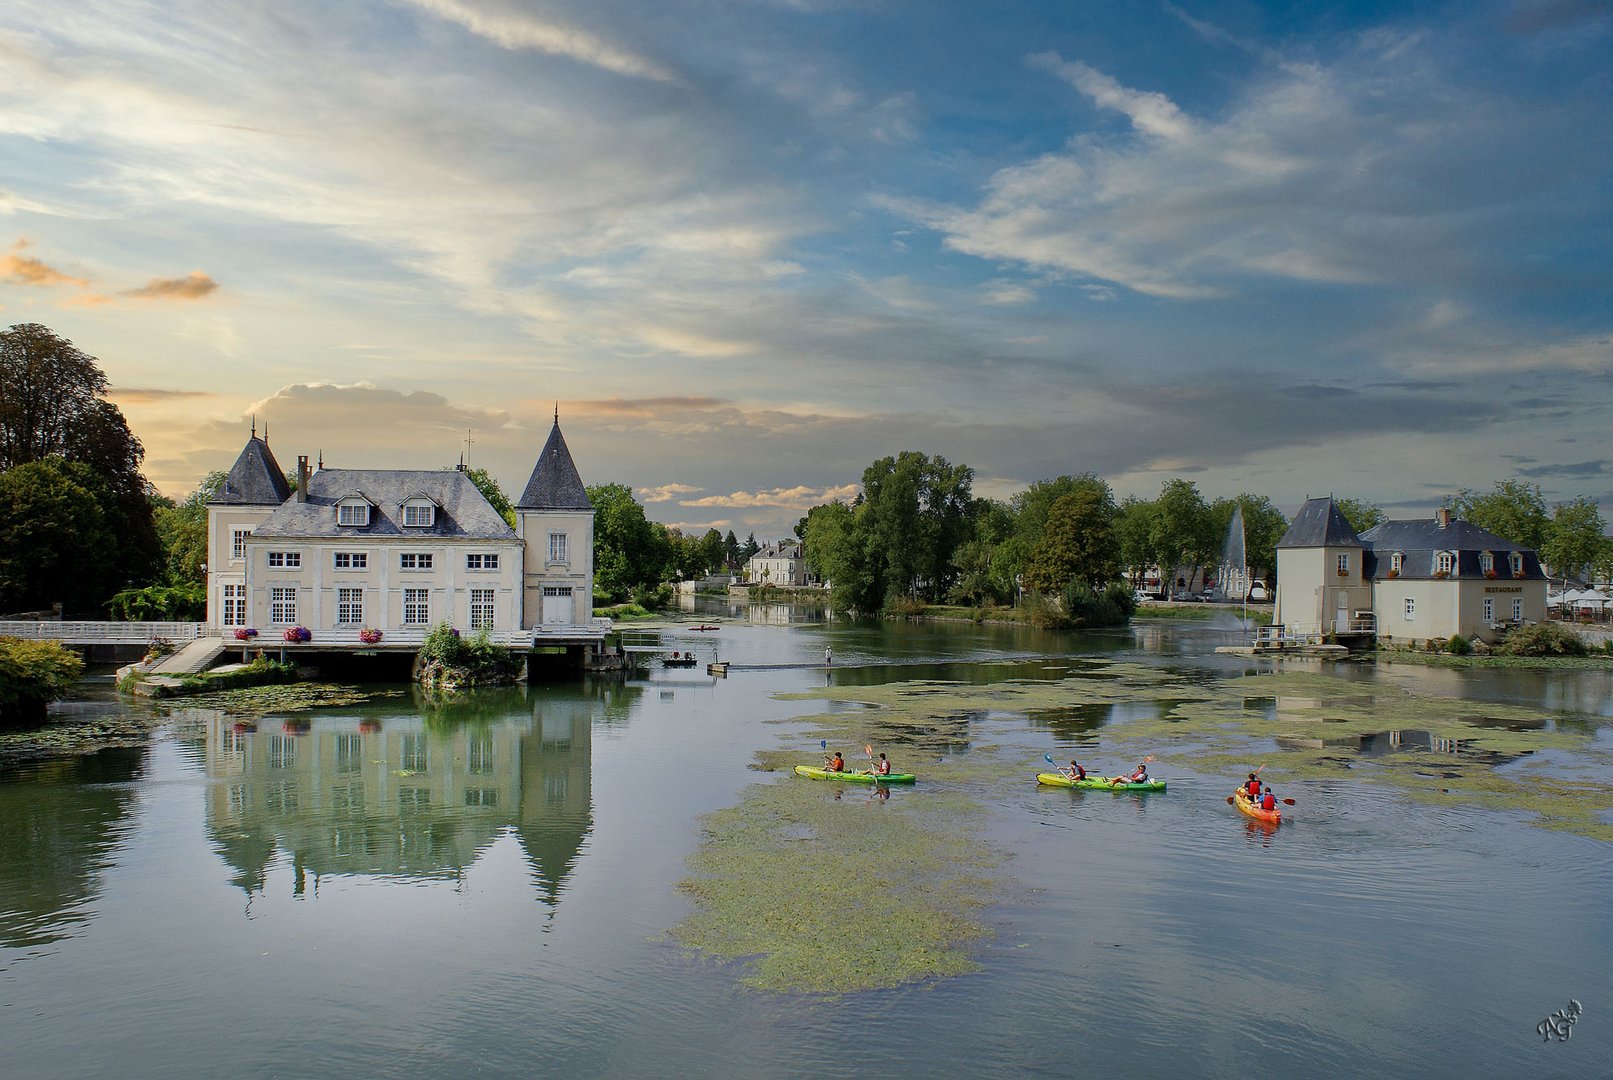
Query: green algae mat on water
1302, 725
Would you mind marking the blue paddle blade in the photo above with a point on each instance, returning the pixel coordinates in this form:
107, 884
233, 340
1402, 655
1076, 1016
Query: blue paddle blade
1048, 758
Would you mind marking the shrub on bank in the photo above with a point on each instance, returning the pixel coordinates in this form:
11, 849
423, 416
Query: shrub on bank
1458, 645
1543, 639
449, 661
32, 675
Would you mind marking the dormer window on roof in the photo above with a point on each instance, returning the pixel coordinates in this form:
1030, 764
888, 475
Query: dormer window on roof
1516, 561
1487, 561
353, 510
419, 513
1445, 562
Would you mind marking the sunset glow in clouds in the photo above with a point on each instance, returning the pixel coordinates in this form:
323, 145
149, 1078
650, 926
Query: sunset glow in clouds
750, 246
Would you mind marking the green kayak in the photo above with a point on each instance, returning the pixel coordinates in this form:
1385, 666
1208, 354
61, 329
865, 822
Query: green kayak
1093, 783
817, 773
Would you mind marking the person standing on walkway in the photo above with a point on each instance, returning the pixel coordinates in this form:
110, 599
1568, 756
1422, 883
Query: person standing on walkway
828, 657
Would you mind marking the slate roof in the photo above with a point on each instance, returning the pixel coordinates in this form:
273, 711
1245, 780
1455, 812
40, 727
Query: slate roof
463, 512
255, 479
555, 484
1419, 542
1319, 524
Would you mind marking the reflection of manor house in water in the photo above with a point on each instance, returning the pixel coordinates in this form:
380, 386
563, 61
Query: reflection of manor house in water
352, 795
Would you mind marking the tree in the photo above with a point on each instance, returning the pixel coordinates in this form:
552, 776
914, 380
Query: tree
51, 396
630, 551
751, 548
53, 405
493, 494
1512, 509
1575, 538
55, 542
1182, 533
182, 530
915, 513
1134, 533
1077, 543
1360, 514
730, 549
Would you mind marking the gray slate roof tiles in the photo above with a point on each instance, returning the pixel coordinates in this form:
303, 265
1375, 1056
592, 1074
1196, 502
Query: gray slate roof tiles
1319, 524
463, 512
255, 479
555, 484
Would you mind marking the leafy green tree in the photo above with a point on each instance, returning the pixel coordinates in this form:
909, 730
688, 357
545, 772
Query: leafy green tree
730, 549
53, 404
1575, 538
1077, 542
1134, 533
711, 551
182, 530
913, 517
1360, 514
1182, 534
630, 551
751, 548
55, 541
493, 494
1512, 509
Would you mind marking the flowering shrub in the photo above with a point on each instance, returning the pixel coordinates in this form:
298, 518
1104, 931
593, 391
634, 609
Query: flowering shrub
1490, 574
298, 633
369, 635
245, 634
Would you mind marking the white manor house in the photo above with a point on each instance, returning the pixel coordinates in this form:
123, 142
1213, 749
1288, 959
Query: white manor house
365, 558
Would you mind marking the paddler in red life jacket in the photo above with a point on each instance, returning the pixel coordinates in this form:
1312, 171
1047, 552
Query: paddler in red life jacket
882, 767
1138, 776
836, 763
1252, 788
1075, 771
1268, 801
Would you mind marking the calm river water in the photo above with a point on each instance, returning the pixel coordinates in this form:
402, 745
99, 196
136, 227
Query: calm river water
391, 891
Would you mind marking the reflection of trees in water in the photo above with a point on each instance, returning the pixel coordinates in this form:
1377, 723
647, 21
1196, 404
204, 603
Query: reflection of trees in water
414, 795
60, 825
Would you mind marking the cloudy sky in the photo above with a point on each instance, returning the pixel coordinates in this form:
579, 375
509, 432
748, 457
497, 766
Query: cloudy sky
748, 246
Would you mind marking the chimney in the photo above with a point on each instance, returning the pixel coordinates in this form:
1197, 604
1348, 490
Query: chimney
302, 478
1443, 517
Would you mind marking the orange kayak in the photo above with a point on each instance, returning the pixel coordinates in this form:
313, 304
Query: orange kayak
1241, 799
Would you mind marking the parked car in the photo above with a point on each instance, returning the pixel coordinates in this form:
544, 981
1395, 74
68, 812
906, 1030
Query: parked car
1257, 592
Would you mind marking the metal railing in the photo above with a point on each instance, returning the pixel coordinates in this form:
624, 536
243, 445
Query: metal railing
99, 633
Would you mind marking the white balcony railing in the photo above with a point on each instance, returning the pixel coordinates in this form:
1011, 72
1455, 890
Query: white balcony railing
100, 633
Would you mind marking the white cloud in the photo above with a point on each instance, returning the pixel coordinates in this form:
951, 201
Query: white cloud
800, 497
665, 492
512, 29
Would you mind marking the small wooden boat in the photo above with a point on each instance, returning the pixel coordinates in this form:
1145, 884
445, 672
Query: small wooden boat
678, 661
703, 627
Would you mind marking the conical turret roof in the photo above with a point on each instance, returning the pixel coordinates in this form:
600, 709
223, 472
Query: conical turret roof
555, 484
255, 479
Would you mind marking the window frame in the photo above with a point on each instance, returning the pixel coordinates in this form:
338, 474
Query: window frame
342, 509
423, 602
559, 549
238, 537
483, 609
283, 599
288, 560
1411, 608
423, 561
1445, 563
416, 507
349, 606
234, 603
481, 560
356, 560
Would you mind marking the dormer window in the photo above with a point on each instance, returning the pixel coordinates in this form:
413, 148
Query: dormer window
419, 514
1397, 562
353, 512
1487, 562
1444, 562
1516, 559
